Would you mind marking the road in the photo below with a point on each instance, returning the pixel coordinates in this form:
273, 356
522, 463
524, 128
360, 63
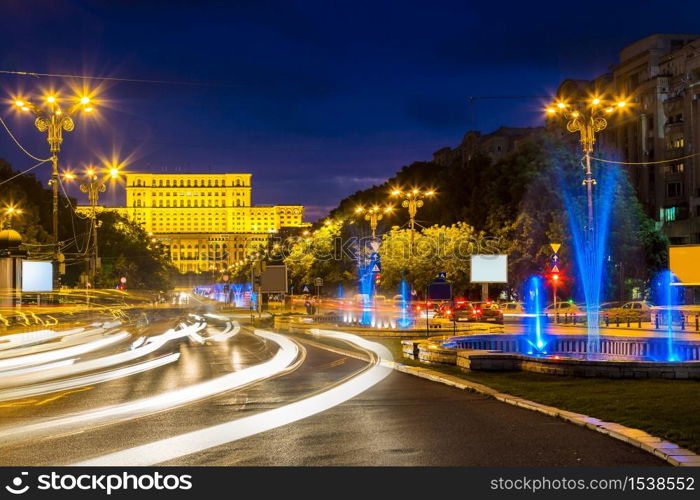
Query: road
398, 420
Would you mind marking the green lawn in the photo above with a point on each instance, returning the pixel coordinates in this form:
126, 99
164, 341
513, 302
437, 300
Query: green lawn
665, 408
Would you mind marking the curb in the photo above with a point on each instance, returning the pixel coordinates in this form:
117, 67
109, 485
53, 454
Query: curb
670, 452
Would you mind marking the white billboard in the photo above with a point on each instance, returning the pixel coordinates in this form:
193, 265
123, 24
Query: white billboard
37, 276
489, 269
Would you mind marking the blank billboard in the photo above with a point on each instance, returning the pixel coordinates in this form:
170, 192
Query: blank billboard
274, 279
37, 276
489, 269
684, 263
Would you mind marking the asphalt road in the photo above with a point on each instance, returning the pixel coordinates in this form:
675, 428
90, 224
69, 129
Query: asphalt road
403, 420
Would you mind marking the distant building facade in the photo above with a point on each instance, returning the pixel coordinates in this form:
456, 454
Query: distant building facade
661, 73
496, 144
203, 221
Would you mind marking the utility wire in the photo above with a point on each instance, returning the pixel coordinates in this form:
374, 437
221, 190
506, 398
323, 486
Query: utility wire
24, 172
117, 79
644, 162
19, 145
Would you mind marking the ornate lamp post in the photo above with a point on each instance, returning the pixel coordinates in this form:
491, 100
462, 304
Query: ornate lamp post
412, 200
51, 118
373, 215
93, 183
587, 117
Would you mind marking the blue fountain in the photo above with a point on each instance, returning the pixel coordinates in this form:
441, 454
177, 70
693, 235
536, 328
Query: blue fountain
533, 302
405, 317
668, 296
590, 247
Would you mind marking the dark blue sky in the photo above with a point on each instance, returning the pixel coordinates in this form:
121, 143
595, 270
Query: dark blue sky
316, 99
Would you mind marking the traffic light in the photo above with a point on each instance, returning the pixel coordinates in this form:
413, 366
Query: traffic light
555, 277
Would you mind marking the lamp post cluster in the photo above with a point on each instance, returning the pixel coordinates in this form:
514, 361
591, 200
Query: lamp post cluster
52, 118
587, 117
412, 200
373, 215
93, 181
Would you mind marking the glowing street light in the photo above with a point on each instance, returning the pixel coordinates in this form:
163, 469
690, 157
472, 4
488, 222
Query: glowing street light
6, 215
53, 119
412, 200
587, 117
94, 181
373, 215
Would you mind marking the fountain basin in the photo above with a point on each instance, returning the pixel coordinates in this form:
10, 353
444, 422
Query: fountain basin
567, 355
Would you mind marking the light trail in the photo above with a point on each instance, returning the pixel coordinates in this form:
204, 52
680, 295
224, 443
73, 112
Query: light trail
288, 357
55, 355
210, 437
143, 348
232, 329
97, 378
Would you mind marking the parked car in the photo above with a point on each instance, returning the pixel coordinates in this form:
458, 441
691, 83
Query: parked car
489, 311
513, 312
563, 308
635, 310
425, 308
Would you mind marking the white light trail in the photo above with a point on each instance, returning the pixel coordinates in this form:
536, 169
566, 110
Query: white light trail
230, 331
97, 378
283, 360
210, 437
55, 355
140, 348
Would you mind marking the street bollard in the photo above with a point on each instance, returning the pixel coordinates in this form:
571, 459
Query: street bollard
656, 321
628, 321
617, 320
682, 321
574, 318
640, 322
607, 320
697, 322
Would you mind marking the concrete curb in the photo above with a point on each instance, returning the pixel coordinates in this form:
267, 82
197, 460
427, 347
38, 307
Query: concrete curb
670, 452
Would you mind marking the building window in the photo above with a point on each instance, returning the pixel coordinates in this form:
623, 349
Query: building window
674, 189
676, 168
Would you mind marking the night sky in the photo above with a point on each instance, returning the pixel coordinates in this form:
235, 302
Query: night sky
315, 99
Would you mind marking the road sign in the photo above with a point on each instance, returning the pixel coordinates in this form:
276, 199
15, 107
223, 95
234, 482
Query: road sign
375, 245
555, 268
122, 279
439, 290
318, 282
376, 268
442, 275
274, 279
305, 289
225, 277
555, 247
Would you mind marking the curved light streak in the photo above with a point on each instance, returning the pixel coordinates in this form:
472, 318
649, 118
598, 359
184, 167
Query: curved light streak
282, 361
232, 329
210, 437
97, 378
55, 355
143, 348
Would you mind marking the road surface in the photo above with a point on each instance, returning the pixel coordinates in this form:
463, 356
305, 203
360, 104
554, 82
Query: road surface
402, 420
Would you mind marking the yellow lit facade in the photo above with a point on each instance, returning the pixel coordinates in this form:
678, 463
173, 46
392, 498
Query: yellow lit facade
204, 221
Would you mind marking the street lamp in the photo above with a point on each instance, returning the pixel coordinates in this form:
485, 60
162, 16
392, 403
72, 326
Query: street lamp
587, 117
51, 118
412, 200
93, 182
6, 215
373, 215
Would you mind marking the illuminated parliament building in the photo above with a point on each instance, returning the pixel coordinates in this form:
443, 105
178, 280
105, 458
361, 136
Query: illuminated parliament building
203, 221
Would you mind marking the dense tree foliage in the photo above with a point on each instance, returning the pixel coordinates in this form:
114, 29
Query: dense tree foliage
124, 247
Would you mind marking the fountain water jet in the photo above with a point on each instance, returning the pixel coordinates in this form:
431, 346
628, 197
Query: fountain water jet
533, 304
590, 247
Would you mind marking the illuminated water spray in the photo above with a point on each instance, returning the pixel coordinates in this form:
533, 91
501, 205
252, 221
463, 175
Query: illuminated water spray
533, 303
405, 317
668, 296
590, 246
